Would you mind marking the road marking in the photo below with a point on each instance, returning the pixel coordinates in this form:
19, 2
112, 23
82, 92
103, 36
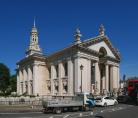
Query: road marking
65, 116
51, 117
113, 110
80, 115
25, 117
91, 113
120, 108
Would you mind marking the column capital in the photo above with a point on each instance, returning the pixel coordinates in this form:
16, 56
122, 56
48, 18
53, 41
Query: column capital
59, 61
96, 63
106, 64
68, 59
51, 63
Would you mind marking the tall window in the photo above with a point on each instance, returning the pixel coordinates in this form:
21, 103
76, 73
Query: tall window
66, 88
66, 68
57, 70
92, 74
49, 69
31, 86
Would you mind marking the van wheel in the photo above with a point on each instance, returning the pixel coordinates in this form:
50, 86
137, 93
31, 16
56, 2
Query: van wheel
81, 108
105, 104
115, 103
44, 111
57, 110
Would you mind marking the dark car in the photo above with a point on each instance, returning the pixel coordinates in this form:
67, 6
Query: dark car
123, 99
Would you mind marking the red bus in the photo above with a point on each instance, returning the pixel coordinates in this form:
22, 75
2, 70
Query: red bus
132, 85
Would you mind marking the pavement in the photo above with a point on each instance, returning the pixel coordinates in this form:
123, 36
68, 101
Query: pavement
19, 108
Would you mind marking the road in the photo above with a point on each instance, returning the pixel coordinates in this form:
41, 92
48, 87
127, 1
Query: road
130, 112
119, 111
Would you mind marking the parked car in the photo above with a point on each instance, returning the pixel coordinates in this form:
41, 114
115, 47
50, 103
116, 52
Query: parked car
105, 101
123, 99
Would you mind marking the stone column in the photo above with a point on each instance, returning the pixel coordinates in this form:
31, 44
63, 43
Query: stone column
103, 82
70, 77
111, 78
52, 79
21, 80
35, 80
76, 74
107, 77
97, 78
118, 76
24, 80
115, 80
29, 80
115, 77
60, 85
89, 85
18, 82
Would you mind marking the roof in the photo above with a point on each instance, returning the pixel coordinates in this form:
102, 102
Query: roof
84, 46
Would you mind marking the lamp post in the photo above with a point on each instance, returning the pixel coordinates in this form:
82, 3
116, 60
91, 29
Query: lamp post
81, 68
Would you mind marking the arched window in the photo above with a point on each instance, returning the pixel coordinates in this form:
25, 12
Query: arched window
102, 52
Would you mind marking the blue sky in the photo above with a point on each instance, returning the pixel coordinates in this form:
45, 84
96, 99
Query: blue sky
57, 20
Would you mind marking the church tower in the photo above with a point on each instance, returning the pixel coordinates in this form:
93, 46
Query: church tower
33, 46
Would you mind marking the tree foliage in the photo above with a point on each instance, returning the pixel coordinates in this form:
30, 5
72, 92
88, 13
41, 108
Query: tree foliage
13, 81
4, 78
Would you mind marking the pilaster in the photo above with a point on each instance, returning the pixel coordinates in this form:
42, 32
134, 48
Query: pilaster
70, 77
29, 80
35, 80
60, 67
97, 78
76, 73
118, 77
21, 81
52, 79
18, 82
107, 77
111, 78
24, 80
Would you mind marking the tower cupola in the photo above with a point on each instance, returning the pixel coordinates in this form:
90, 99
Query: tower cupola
34, 44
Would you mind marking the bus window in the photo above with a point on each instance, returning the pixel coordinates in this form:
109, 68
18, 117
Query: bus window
130, 84
136, 84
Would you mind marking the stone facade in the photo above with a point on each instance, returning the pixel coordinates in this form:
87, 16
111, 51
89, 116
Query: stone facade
89, 66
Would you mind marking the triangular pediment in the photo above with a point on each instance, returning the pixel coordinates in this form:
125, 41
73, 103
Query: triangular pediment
102, 42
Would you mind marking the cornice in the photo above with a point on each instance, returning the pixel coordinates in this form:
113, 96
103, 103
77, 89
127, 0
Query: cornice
31, 58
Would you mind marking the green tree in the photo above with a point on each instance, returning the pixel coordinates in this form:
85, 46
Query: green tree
13, 81
4, 78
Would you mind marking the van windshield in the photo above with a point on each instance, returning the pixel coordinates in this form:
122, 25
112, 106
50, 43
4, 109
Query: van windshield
90, 97
98, 98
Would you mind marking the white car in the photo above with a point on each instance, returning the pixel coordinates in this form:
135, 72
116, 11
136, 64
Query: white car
105, 101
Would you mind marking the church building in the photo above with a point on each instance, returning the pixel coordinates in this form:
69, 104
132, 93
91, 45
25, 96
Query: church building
90, 65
